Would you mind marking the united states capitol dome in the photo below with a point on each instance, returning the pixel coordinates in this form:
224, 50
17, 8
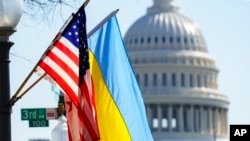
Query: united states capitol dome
177, 76
164, 26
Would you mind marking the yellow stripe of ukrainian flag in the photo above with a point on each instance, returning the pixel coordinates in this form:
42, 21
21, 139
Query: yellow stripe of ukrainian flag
110, 122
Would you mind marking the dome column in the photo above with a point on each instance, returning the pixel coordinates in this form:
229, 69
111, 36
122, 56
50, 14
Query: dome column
217, 121
159, 115
202, 116
190, 120
226, 121
210, 119
180, 118
197, 123
170, 115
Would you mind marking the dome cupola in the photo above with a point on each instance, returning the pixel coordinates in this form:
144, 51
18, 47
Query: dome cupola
163, 27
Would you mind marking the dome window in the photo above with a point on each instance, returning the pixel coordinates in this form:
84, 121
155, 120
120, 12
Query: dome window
191, 80
185, 40
155, 79
142, 40
164, 79
156, 39
178, 39
149, 39
171, 39
173, 80
135, 40
163, 39
182, 80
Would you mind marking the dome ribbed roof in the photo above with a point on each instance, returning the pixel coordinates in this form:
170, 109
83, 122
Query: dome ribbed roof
164, 26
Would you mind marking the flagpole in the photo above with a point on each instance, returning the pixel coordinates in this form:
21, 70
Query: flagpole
102, 23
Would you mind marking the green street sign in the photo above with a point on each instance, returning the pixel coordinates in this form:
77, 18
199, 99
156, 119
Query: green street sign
38, 123
33, 114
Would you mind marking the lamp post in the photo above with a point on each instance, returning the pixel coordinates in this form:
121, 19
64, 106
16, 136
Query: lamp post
60, 132
10, 14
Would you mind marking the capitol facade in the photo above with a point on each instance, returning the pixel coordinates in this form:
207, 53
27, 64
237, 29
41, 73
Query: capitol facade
177, 77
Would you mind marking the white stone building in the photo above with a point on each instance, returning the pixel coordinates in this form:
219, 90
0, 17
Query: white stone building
177, 77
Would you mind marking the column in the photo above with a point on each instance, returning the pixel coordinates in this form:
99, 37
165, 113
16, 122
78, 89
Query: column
201, 119
222, 121
180, 118
190, 123
159, 116
226, 121
197, 123
217, 125
210, 120
170, 114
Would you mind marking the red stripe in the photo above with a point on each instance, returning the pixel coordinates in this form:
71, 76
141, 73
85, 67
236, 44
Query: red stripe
89, 120
66, 51
60, 81
63, 65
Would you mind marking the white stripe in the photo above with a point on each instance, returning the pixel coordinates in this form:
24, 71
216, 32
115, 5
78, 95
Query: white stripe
62, 73
69, 45
87, 79
66, 59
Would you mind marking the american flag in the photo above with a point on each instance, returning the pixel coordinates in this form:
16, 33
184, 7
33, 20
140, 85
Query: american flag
67, 62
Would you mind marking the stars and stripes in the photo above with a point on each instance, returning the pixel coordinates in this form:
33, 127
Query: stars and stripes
66, 62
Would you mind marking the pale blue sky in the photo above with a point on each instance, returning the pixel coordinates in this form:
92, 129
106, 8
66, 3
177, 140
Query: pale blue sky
225, 25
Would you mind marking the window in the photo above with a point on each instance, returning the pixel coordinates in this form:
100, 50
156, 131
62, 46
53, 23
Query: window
142, 40
173, 80
149, 39
178, 39
145, 79
156, 39
171, 39
191, 80
135, 40
182, 80
155, 79
163, 39
164, 79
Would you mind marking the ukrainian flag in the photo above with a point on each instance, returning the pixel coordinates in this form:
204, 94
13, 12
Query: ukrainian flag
120, 109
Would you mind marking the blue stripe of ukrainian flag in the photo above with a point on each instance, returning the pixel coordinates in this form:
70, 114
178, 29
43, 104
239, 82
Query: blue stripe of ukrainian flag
120, 109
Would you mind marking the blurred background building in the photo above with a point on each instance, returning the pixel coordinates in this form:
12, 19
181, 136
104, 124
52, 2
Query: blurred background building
177, 77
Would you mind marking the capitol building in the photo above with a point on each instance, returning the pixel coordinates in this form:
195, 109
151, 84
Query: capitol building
177, 76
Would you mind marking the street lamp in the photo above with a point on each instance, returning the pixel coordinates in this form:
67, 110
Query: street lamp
10, 14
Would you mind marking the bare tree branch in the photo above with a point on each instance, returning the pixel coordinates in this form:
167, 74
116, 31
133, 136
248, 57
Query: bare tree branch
47, 10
